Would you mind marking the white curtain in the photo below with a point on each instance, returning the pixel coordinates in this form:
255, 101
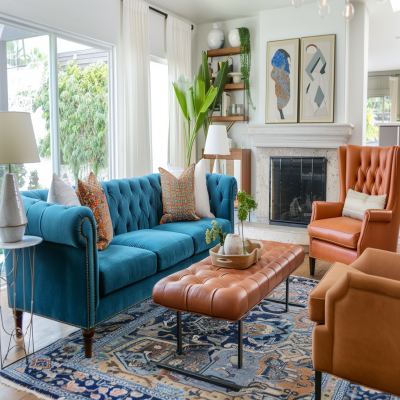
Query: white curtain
137, 101
179, 63
394, 97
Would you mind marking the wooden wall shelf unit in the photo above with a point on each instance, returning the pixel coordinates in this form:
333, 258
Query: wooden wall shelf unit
234, 86
223, 52
232, 118
244, 155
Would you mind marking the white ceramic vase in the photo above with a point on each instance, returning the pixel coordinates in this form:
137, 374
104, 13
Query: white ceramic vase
233, 245
234, 38
12, 213
215, 38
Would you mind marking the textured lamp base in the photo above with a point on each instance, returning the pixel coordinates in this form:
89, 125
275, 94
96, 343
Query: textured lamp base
12, 213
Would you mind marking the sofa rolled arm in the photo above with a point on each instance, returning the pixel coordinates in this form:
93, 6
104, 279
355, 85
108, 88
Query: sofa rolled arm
222, 193
72, 226
362, 320
324, 210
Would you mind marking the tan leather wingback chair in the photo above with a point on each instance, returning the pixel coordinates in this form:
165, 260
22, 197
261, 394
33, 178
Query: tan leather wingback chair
371, 170
356, 310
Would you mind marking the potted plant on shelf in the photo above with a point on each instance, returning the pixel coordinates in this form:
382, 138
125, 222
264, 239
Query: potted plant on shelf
246, 205
216, 233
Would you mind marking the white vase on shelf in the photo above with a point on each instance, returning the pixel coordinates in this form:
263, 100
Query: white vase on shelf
234, 38
215, 38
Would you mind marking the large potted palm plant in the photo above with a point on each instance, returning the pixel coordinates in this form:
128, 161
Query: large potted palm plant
198, 100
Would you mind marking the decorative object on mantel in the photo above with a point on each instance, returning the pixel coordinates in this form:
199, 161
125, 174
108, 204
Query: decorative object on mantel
247, 204
234, 38
18, 146
217, 144
282, 91
215, 38
317, 79
245, 62
309, 136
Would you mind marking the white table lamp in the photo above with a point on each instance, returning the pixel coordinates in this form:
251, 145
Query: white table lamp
217, 144
17, 146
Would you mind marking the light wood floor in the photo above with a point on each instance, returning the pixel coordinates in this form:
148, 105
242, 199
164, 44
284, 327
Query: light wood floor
47, 331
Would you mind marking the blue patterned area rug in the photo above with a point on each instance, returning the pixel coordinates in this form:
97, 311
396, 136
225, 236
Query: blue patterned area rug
277, 357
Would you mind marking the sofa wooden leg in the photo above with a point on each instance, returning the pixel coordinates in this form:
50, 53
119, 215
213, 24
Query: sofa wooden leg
88, 341
18, 318
318, 385
312, 266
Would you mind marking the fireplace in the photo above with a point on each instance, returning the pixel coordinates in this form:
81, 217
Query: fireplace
295, 182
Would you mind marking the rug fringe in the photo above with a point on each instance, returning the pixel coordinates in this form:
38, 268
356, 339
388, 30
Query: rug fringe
14, 385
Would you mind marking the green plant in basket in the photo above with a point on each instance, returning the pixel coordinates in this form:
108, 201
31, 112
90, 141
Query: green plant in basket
215, 233
246, 205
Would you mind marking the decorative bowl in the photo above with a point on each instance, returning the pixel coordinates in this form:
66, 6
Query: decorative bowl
244, 261
237, 76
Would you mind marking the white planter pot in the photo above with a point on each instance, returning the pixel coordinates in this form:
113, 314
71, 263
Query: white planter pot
233, 245
215, 38
234, 38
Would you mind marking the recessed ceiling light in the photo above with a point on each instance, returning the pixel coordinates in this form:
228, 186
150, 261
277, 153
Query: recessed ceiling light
395, 5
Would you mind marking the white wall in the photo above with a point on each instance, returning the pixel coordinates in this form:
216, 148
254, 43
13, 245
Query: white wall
239, 128
357, 73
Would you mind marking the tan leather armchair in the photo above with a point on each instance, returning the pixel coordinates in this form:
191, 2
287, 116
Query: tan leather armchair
356, 310
371, 170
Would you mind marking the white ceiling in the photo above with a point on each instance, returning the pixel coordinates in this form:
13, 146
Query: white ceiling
384, 48
384, 27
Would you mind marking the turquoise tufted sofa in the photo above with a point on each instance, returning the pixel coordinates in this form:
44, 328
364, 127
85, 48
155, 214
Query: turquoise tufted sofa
77, 285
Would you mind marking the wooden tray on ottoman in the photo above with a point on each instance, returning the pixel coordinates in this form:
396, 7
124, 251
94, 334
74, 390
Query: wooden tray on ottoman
253, 248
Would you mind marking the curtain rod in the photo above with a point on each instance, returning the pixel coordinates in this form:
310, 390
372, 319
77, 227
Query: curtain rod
161, 12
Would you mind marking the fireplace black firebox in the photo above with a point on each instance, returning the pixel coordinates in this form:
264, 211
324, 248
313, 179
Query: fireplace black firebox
294, 183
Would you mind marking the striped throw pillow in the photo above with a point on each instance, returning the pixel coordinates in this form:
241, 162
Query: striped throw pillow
356, 203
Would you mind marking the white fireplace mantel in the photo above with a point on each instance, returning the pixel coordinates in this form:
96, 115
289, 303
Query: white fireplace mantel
309, 136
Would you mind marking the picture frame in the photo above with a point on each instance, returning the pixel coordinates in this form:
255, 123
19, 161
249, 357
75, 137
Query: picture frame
282, 82
317, 79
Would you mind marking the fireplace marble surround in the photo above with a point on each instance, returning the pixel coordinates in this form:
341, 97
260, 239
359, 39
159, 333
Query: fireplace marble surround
307, 140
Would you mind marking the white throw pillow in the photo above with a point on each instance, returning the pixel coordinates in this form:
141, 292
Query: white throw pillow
62, 192
356, 203
200, 188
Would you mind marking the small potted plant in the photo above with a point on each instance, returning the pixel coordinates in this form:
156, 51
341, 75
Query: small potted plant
246, 205
214, 233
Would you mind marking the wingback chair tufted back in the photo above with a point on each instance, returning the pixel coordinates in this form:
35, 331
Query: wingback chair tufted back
371, 170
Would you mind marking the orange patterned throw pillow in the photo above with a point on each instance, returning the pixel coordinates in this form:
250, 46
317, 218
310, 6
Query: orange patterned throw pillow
178, 196
91, 194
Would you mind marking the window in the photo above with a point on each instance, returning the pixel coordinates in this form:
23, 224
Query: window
378, 111
159, 113
72, 129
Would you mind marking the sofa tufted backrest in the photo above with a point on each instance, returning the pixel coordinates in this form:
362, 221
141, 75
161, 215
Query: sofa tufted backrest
366, 169
134, 203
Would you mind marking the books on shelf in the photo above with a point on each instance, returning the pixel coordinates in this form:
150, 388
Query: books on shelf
225, 103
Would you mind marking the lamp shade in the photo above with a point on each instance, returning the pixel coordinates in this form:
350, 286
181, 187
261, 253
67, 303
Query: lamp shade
17, 139
217, 141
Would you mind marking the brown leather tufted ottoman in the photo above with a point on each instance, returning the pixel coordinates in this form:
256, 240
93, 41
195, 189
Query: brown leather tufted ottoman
225, 293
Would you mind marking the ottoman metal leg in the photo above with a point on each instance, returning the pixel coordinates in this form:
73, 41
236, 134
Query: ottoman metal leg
179, 332
286, 301
240, 343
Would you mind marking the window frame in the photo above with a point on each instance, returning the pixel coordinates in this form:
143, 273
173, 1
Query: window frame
53, 34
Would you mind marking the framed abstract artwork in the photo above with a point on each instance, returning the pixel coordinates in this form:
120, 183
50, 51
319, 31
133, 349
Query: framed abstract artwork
317, 78
282, 81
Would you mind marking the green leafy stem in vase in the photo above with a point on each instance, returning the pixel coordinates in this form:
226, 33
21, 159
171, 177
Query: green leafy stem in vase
246, 205
214, 233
